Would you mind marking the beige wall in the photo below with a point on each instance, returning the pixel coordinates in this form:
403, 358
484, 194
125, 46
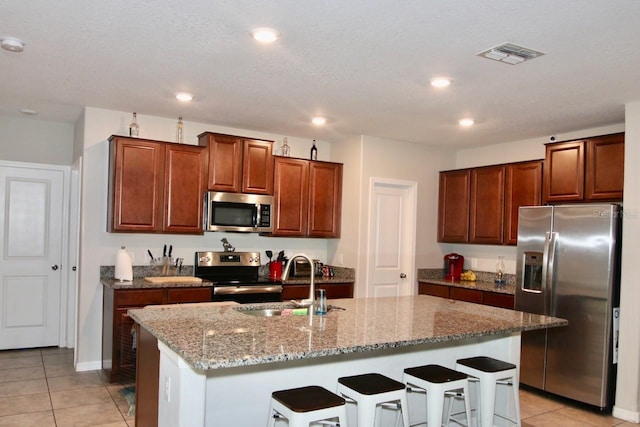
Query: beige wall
382, 158
35, 141
628, 388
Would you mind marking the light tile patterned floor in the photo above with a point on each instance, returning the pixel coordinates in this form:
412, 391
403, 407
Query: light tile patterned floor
40, 388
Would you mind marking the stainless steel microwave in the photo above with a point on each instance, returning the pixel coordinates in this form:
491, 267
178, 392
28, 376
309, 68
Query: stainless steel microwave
246, 213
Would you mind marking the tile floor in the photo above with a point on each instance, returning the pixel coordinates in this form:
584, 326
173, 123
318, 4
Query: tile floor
39, 387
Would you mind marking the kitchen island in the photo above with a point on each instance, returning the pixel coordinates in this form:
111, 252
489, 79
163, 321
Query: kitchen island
218, 365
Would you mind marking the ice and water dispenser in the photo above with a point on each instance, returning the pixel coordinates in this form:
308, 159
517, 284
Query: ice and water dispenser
532, 274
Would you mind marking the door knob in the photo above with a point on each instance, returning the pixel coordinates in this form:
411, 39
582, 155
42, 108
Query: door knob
403, 276
54, 267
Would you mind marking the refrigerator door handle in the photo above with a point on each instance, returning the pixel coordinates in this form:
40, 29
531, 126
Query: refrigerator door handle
550, 308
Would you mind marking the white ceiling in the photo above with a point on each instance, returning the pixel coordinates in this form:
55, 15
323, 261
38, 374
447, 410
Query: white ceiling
365, 64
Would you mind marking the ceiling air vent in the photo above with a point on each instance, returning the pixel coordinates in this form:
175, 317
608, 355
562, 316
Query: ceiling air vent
510, 53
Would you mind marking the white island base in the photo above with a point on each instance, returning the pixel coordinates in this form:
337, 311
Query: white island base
239, 396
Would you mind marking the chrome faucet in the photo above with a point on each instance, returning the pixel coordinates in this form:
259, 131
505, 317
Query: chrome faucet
309, 301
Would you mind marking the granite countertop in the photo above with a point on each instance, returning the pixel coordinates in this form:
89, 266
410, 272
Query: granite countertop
507, 288
323, 280
214, 337
140, 283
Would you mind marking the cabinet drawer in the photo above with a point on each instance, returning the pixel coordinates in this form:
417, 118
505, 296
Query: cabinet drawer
433, 290
470, 295
137, 298
499, 300
185, 295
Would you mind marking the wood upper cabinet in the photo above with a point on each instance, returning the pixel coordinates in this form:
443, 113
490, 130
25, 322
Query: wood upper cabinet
486, 205
136, 185
185, 174
564, 172
238, 164
307, 198
590, 169
155, 187
291, 196
604, 178
325, 199
453, 206
523, 187
480, 205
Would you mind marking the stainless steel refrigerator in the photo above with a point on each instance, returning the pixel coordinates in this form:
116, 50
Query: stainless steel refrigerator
568, 266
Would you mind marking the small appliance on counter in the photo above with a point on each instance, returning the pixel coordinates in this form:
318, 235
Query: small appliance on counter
301, 268
453, 266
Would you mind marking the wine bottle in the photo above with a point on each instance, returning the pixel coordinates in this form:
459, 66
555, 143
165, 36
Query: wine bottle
314, 151
179, 131
285, 147
134, 129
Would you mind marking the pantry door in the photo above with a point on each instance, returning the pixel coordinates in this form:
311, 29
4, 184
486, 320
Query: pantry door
31, 218
392, 220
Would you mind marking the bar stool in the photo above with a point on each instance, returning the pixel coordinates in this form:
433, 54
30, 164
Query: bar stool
371, 392
304, 405
491, 373
438, 381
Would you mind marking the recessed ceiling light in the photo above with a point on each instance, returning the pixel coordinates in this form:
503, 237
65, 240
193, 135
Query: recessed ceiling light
28, 111
466, 122
265, 35
12, 44
184, 97
318, 121
441, 82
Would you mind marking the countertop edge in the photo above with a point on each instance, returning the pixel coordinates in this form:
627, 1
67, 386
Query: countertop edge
508, 289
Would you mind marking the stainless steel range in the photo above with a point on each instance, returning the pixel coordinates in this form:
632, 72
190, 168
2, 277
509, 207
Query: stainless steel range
235, 277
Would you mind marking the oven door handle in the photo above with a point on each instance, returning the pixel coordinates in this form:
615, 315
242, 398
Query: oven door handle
235, 290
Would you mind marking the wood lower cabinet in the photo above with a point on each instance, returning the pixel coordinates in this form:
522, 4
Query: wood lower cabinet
585, 170
147, 379
333, 291
523, 187
155, 186
118, 351
307, 198
238, 164
495, 299
453, 206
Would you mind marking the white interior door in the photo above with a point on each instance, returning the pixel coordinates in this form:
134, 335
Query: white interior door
391, 238
31, 214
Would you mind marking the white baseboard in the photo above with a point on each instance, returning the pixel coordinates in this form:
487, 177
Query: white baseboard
88, 366
623, 414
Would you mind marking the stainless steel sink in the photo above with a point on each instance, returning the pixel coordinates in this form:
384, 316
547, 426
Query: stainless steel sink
287, 310
262, 312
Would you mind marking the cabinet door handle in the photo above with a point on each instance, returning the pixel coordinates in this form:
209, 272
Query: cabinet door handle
403, 276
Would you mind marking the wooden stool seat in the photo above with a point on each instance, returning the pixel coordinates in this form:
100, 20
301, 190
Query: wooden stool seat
490, 373
372, 392
304, 405
371, 383
439, 382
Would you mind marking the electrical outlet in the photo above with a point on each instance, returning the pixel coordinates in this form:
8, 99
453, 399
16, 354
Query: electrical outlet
473, 262
167, 389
